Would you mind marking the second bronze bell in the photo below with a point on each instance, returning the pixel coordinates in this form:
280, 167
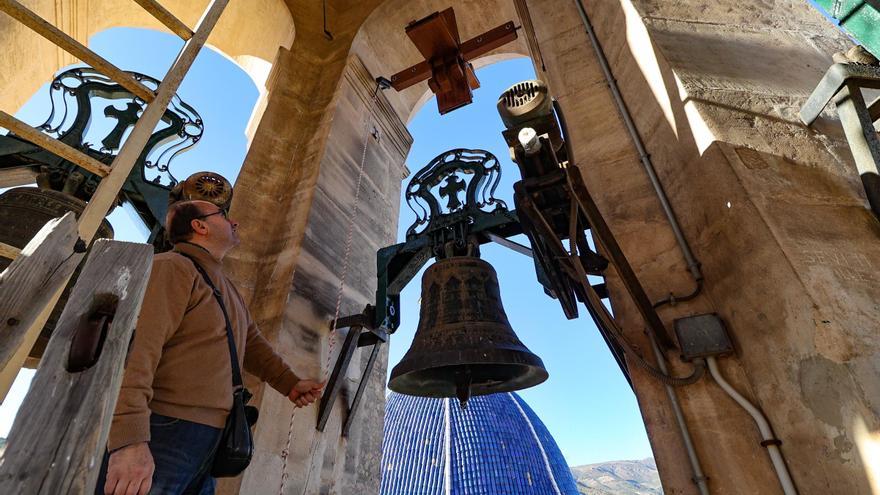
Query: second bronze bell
464, 344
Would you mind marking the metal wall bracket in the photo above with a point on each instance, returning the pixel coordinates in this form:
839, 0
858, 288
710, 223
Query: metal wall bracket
361, 333
843, 84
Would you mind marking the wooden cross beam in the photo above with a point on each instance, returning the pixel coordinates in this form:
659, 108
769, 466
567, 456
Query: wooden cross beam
447, 66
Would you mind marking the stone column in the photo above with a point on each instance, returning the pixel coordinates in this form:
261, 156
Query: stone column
295, 196
774, 211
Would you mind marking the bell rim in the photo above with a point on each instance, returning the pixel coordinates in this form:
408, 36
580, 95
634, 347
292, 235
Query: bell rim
405, 375
410, 384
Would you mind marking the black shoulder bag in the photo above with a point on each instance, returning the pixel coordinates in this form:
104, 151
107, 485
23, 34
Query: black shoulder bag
236, 443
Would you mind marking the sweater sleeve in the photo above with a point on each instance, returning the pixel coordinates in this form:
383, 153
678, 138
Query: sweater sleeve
165, 303
261, 360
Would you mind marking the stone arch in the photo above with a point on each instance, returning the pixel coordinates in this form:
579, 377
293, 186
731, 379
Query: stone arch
249, 33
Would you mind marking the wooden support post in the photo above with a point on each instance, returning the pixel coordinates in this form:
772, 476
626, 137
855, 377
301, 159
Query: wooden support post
108, 189
41, 271
59, 435
52, 145
165, 17
20, 13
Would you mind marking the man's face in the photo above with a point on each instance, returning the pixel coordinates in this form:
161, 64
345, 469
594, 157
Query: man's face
219, 228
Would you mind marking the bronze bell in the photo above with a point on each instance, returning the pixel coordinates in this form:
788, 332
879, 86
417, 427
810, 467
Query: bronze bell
464, 344
23, 212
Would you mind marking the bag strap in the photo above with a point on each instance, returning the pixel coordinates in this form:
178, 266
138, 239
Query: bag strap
233, 354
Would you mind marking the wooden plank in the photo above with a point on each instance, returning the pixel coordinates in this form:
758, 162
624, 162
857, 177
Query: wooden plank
26, 286
20, 13
167, 18
53, 145
488, 41
59, 435
411, 76
17, 176
9, 252
108, 189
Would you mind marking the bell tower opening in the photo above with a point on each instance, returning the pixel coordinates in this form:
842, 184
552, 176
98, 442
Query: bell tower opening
601, 425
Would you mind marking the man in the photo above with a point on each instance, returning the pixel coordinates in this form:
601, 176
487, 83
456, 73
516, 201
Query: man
177, 388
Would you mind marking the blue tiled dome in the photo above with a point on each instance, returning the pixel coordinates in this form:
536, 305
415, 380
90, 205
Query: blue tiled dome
497, 446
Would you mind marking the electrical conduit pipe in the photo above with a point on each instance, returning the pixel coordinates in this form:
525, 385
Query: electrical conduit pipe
769, 440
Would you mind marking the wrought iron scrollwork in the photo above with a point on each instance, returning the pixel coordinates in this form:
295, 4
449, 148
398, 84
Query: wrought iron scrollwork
88, 106
73, 93
474, 173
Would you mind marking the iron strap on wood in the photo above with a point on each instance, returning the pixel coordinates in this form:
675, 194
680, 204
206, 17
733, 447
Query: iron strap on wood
60, 433
28, 283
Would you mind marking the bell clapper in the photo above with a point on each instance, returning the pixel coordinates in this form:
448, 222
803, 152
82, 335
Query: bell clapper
463, 387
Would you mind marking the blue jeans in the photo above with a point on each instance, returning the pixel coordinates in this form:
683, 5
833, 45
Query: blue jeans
183, 452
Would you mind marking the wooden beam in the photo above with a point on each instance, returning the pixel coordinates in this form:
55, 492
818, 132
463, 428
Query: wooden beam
17, 176
470, 49
108, 189
28, 286
52, 145
9, 252
60, 433
20, 13
167, 18
411, 76
488, 41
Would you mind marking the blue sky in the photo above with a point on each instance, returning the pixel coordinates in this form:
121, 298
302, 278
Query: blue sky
586, 404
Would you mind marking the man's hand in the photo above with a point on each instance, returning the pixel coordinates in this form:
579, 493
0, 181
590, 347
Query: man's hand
305, 392
130, 470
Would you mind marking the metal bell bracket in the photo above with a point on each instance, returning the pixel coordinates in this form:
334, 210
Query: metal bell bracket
362, 333
843, 84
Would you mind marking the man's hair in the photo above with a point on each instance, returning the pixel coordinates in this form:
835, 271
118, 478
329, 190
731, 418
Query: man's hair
179, 221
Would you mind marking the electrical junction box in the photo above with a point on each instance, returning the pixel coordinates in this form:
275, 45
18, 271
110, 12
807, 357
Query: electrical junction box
702, 336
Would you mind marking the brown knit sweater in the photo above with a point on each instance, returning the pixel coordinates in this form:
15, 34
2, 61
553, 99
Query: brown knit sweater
179, 362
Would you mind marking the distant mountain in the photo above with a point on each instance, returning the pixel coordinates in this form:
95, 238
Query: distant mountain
618, 478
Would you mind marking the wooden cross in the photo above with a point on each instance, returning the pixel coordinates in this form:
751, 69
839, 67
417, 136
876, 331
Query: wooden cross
447, 64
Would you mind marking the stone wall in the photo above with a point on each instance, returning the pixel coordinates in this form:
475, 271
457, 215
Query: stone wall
774, 212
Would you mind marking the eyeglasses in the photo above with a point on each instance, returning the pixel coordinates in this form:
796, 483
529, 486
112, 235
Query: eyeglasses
218, 212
